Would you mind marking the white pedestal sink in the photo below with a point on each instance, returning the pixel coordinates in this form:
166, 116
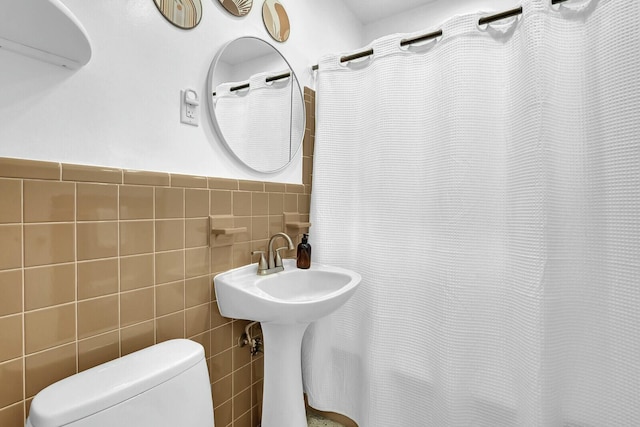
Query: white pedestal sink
284, 303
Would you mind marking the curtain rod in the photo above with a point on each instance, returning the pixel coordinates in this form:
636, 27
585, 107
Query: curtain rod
403, 42
499, 16
278, 77
268, 80
481, 21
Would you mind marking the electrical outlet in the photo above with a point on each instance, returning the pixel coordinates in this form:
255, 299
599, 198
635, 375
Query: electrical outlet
189, 107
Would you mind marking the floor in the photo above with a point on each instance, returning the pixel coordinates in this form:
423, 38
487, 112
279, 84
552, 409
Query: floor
314, 420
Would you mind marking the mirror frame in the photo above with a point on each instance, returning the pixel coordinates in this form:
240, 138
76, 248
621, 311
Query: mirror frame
214, 120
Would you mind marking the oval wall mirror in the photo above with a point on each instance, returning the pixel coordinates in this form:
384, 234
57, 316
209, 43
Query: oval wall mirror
237, 8
256, 104
276, 20
185, 14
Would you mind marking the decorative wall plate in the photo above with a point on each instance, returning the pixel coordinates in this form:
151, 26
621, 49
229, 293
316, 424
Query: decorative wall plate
184, 14
276, 20
237, 7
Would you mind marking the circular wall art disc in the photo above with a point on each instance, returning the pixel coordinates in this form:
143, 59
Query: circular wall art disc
276, 20
184, 14
237, 7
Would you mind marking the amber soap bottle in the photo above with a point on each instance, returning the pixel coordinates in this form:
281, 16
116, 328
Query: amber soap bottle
304, 253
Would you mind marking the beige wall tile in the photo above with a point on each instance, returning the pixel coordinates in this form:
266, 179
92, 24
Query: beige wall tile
46, 368
307, 146
146, 178
49, 327
221, 365
221, 259
169, 203
241, 254
97, 240
11, 206
97, 202
169, 266
31, 169
290, 203
13, 416
197, 320
223, 184
220, 202
259, 204
188, 181
196, 203
136, 237
243, 221
49, 201
97, 350
276, 203
257, 369
170, 327
221, 341
196, 232
251, 185
275, 187
304, 201
91, 174
136, 306
97, 278
259, 227
137, 337
197, 291
49, 285
222, 390
11, 380
307, 170
169, 234
10, 246
48, 244
223, 413
241, 403
295, 188
11, 337
242, 377
275, 224
97, 316
196, 262
169, 298
136, 202
11, 291
136, 272
241, 203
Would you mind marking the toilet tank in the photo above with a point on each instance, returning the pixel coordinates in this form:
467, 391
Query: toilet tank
165, 385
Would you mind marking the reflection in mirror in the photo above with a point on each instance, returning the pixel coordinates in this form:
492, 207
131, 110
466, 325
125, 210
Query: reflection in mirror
256, 104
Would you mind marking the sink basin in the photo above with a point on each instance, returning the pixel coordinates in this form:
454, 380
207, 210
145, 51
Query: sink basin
284, 303
290, 296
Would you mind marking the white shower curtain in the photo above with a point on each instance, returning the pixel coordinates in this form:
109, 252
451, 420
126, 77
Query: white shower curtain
487, 188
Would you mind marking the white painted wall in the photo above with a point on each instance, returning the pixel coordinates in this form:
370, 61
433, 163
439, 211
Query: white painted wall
122, 109
430, 16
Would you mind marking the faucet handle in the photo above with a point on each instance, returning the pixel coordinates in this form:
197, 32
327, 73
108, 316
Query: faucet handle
278, 257
262, 264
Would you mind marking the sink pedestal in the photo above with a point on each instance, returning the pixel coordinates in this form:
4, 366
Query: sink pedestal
283, 401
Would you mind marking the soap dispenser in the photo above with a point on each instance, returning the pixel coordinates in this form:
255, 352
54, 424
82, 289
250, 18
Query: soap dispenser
304, 253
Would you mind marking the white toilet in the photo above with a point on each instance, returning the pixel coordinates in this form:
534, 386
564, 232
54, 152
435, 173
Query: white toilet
166, 385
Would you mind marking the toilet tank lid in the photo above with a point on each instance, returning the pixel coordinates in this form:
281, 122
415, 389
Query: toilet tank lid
106, 385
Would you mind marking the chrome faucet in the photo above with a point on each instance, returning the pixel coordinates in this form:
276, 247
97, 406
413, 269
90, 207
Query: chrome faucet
273, 262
